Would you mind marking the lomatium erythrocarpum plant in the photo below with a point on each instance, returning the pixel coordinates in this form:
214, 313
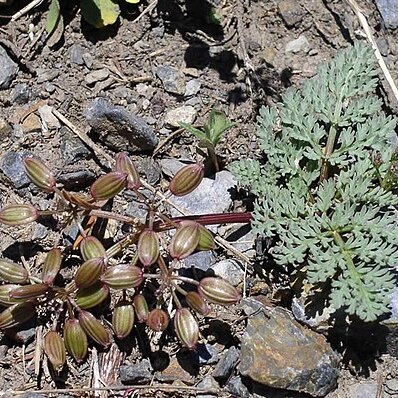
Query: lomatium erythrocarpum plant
101, 276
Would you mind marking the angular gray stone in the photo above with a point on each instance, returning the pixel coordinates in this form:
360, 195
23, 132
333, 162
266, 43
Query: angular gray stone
23, 333
363, 390
96, 76
185, 114
150, 169
202, 260
172, 79
208, 383
138, 373
389, 12
211, 196
76, 54
208, 355
170, 166
237, 388
72, 148
226, 364
47, 75
77, 179
319, 321
278, 352
5, 128
118, 128
21, 94
48, 120
391, 386
8, 69
291, 12
229, 270
297, 45
12, 167
192, 87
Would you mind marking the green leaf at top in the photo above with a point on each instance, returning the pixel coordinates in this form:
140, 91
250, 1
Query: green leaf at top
196, 132
217, 125
132, 1
54, 14
99, 13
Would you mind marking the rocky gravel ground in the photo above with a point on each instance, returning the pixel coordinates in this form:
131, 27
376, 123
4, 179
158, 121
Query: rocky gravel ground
127, 88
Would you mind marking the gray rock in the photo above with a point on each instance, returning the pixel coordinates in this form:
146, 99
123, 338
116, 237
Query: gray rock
76, 54
72, 148
382, 44
201, 260
185, 113
192, 87
301, 44
149, 168
291, 12
145, 90
96, 76
119, 128
391, 386
227, 363
47, 75
172, 79
39, 232
77, 179
208, 383
278, 352
230, 270
121, 92
242, 236
363, 390
88, 60
136, 209
211, 196
319, 321
5, 128
208, 355
22, 334
236, 388
49, 87
8, 69
12, 167
138, 373
170, 166
31, 395
48, 120
158, 31
21, 94
389, 12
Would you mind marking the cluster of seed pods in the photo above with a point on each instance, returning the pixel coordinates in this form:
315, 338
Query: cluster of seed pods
100, 275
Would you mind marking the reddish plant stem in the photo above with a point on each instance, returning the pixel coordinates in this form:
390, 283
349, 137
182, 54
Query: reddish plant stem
206, 219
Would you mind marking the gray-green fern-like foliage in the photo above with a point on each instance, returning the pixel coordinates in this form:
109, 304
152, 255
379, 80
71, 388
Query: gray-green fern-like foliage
325, 189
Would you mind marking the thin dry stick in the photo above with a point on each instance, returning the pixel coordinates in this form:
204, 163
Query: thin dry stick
166, 140
369, 36
83, 136
101, 154
148, 9
26, 9
155, 387
38, 349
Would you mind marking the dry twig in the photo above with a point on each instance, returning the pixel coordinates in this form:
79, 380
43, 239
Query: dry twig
26, 9
368, 32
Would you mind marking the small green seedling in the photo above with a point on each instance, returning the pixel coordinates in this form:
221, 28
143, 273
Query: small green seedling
211, 133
